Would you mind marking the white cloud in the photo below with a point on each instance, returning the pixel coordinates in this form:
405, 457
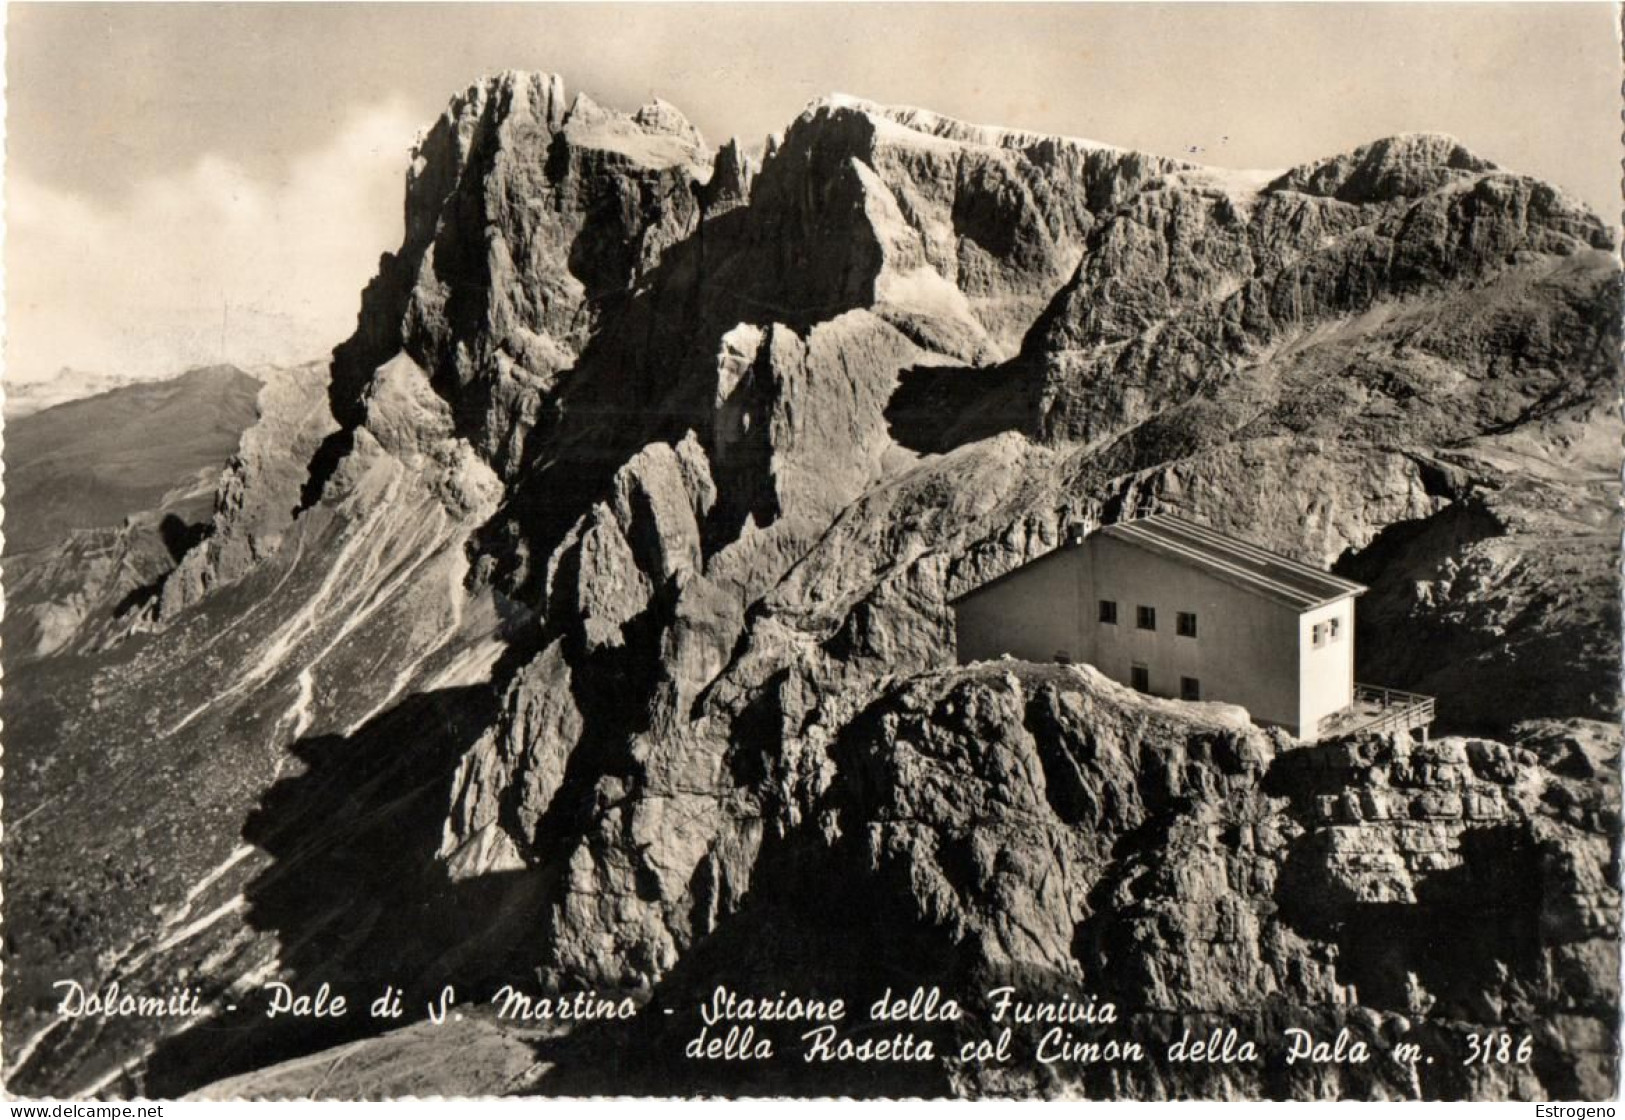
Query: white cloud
137, 289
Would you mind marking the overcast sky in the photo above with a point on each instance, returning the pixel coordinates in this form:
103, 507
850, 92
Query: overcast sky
169, 162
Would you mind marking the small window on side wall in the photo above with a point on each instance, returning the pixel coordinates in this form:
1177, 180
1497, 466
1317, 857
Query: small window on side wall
1190, 688
1108, 611
1145, 618
1334, 629
1139, 676
1185, 624
1317, 635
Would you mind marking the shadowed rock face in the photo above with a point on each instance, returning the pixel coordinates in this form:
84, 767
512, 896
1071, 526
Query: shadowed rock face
614, 555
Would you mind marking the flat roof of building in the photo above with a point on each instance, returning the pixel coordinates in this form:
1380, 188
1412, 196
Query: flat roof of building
1235, 561
1243, 565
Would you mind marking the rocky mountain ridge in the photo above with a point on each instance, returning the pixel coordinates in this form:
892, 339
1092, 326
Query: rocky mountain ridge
604, 598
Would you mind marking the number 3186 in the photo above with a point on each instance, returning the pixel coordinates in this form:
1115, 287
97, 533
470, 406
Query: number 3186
1498, 1047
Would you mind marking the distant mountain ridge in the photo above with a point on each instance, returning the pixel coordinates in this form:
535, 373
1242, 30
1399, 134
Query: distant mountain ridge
105, 493
67, 384
91, 461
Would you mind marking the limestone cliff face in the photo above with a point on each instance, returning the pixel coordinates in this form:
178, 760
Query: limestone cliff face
966, 222
613, 573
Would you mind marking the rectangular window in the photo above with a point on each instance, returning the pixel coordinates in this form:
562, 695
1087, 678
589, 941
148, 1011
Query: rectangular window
1190, 688
1335, 629
1317, 635
1140, 677
1185, 624
1145, 617
1108, 611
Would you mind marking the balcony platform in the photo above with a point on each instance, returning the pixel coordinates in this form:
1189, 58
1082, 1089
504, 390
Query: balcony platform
1381, 711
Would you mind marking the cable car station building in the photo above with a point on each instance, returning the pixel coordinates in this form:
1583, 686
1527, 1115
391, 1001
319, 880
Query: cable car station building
1178, 610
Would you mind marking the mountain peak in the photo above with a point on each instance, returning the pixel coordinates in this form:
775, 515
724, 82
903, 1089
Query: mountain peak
512, 93
519, 135
660, 115
1405, 165
657, 133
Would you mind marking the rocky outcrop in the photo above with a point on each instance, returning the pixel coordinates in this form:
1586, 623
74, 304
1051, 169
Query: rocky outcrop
257, 495
842, 271
106, 495
356, 628
1000, 216
80, 593
1502, 604
1175, 860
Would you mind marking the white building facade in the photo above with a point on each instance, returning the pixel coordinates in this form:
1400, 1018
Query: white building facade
1178, 610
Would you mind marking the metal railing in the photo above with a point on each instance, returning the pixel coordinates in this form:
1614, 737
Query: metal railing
1145, 505
1396, 710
